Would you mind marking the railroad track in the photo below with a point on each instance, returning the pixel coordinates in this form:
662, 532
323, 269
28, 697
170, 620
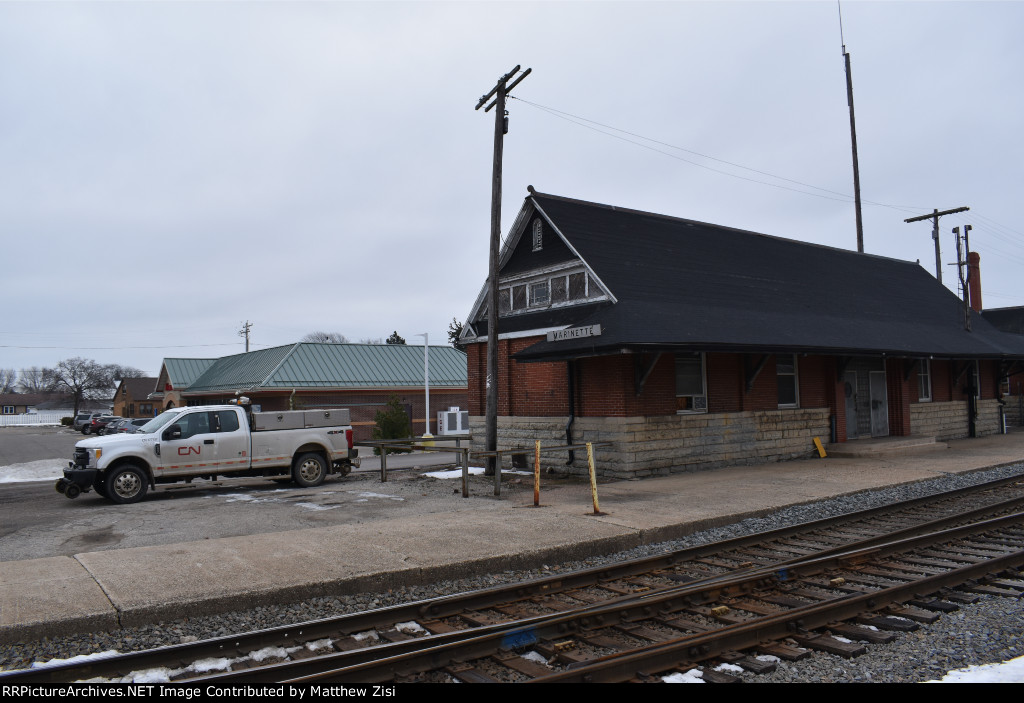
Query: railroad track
550, 614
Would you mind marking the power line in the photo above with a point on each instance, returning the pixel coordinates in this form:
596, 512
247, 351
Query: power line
580, 121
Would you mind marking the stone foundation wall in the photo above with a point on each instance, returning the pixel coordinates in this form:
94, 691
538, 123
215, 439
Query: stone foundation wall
949, 420
1013, 407
650, 446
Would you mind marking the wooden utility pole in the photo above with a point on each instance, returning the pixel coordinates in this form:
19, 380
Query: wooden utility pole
244, 332
934, 217
853, 141
499, 92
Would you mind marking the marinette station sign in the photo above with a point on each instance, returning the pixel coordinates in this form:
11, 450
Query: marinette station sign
574, 333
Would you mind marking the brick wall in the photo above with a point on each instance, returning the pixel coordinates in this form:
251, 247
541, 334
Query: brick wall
659, 445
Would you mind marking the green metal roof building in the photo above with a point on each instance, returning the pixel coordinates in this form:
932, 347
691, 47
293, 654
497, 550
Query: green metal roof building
360, 377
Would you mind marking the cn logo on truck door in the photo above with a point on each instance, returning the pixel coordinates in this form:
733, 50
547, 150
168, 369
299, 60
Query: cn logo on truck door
185, 451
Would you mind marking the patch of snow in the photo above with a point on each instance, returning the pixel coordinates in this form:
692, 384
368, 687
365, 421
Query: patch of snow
368, 635
729, 668
535, 657
1006, 672
691, 676
314, 506
368, 494
74, 660
411, 626
42, 470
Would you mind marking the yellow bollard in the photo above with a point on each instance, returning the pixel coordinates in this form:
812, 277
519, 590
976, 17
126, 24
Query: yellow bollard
593, 477
536, 474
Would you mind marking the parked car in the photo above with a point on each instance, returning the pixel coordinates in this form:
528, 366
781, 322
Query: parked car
128, 426
83, 419
98, 423
114, 427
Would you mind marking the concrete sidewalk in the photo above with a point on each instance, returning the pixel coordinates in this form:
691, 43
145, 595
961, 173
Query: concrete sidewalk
130, 587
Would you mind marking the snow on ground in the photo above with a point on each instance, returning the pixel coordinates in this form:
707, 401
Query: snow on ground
42, 470
1006, 672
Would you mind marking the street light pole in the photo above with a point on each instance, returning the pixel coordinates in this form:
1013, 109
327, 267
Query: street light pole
426, 379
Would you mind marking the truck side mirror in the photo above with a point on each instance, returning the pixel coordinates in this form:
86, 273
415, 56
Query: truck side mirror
172, 432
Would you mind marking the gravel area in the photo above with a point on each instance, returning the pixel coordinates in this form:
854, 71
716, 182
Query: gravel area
987, 632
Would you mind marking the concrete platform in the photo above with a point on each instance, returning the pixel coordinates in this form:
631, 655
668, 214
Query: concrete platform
886, 446
121, 588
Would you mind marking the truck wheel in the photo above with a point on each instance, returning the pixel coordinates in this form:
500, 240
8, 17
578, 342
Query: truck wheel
309, 470
126, 484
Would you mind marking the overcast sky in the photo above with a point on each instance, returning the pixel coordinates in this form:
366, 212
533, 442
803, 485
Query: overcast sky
169, 170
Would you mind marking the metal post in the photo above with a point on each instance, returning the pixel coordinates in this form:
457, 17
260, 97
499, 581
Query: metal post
536, 474
465, 473
497, 474
383, 463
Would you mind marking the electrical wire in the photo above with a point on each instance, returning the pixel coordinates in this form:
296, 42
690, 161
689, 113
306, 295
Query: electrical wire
590, 124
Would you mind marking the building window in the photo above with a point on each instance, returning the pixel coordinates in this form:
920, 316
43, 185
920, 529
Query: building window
691, 392
540, 293
789, 391
559, 292
538, 235
518, 297
577, 286
924, 381
9, 410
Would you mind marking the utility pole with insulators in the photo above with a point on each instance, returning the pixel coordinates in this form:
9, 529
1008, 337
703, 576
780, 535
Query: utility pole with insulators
934, 217
244, 332
499, 92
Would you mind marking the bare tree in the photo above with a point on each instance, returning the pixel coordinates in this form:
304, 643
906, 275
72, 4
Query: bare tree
371, 341
85, 379
395, 338
35, 380
325, 338
7, 380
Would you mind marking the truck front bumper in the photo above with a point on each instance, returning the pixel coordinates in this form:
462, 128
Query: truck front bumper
76, 481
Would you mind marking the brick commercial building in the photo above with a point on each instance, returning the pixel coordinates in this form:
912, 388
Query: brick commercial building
689, 345
360, 377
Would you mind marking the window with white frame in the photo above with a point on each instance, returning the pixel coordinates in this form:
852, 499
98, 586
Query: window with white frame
789, 390
540, 293
924, 381
546, 290
691, 390
9, 410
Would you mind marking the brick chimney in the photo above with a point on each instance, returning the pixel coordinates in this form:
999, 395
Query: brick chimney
974, 285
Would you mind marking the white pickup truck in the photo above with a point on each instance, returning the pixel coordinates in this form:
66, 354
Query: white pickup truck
208, 441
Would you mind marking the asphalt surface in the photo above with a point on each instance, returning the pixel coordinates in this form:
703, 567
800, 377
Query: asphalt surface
37, 522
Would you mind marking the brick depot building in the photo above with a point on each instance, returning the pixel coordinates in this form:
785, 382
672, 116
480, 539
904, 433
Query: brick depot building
689, 345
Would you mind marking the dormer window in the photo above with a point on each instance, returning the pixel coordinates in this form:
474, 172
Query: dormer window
538, 234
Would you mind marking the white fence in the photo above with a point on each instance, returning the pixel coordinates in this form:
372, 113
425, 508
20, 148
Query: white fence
44, 418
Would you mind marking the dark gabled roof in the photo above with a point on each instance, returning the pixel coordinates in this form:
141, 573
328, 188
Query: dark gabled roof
681, 284
1009, 320
139, 387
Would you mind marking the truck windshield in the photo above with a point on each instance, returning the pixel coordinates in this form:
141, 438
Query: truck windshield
159, 421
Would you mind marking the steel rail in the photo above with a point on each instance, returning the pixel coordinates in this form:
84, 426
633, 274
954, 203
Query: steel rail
438, 654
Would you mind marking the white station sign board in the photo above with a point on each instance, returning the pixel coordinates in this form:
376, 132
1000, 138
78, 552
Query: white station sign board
574, 333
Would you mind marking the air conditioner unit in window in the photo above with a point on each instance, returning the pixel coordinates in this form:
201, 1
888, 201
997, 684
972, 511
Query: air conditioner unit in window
453, 421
